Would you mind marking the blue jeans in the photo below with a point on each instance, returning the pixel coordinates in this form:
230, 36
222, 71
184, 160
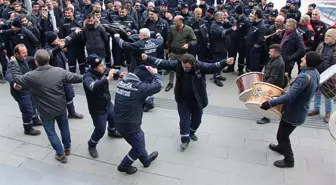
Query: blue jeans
63, 125
317, 103
190, 119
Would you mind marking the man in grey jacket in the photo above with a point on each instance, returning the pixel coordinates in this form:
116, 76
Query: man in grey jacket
46, 85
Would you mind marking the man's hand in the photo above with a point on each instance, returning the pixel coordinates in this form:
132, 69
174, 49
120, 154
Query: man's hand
78, 30
144, 56
229, 61
234, 27
152, 70
266, 105
12, 59
278, 31
122, 75
186, 46
158, 35
17, 86
111, 74
116, 35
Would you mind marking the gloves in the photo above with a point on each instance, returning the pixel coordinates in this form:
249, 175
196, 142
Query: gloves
266, 105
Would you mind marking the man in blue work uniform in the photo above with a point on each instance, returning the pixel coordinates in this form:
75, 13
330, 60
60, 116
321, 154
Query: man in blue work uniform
144, 45
96, 87
58, 59
130, 95
21, 95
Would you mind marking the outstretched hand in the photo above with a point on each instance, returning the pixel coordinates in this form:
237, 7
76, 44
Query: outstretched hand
144, 56
230, 61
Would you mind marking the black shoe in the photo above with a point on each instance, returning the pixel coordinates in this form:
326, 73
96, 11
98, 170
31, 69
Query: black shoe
114, 133
275, 148
240, 73
228, 70
151, 158
193, 137
32, 132
264, 121
2, 80
75, 115
130, 170
93, 152
218, 83
149, 107
37, 122
283, 164
221, 78
184, 146
169, 86
166, 73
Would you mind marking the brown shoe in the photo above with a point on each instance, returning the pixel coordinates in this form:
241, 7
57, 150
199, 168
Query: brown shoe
61, 158
67, 151
326, 118
314, 113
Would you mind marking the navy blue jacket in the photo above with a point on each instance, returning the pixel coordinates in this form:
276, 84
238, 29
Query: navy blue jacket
219, 36
198, 82
243, 27
96, 87
130, 96
25, 67
297, 100
161, 26
255, 37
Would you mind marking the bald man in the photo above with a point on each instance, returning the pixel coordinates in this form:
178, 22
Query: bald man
319, 27
277, 26
202, 35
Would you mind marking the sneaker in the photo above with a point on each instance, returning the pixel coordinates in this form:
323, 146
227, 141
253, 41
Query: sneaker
326, 118
149, 107
32, 132
93, 152
193, 137
184, 146
130, 170
169, 86
283, 164
263, 121
61, 158
314, 113
151, 158
75, 115
67, 151
114, 133
218, 83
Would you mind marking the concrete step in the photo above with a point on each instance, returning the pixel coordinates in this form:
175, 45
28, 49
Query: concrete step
32, 172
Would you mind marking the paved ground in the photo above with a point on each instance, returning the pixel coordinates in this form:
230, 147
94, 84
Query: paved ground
230, 151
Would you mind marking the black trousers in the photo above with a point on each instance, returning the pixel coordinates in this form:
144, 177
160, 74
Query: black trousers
284, 131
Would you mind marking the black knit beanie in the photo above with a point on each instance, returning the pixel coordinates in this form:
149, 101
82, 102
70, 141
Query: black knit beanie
313, 59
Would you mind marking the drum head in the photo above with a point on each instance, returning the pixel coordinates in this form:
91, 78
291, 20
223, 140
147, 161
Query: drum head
332, 125
245, 74
245, 95
270, 113
331, 71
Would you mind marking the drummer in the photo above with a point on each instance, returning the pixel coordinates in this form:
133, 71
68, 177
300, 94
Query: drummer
328, 52
296, 106
274, 72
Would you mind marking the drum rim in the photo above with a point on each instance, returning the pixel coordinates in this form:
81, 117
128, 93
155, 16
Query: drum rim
269, 85
247, 74
271, 109
331, 67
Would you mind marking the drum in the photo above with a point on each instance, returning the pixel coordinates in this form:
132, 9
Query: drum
264, 92
328, 82
332, 125
245, 83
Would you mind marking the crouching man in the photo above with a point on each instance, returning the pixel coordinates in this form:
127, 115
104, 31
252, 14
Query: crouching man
190, 90
131, 94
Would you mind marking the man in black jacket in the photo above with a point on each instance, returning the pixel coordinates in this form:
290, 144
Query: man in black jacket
96, 87
58, 59
131, 94
190, 90
274, 72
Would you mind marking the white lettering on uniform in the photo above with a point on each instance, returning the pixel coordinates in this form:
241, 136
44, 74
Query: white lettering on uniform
123, 92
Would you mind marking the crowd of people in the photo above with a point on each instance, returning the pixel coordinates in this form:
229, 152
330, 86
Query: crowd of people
184, 39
